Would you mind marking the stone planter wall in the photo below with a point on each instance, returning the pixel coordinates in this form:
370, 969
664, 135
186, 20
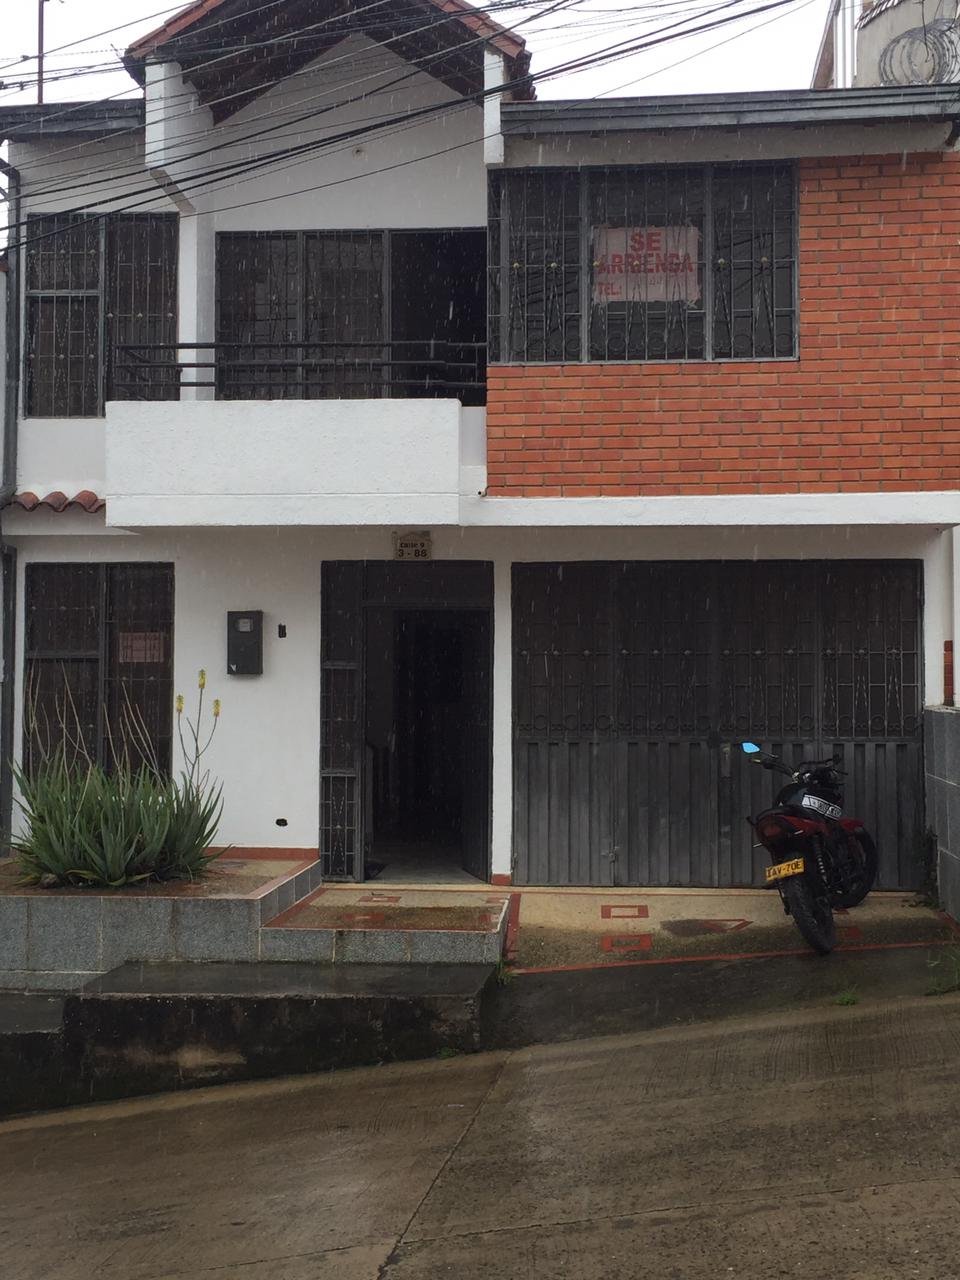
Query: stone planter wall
51, 939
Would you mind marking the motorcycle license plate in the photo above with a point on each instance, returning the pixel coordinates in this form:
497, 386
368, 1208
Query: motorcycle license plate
780, 870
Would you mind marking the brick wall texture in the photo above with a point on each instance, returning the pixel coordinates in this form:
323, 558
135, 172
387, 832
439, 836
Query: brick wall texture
872, 403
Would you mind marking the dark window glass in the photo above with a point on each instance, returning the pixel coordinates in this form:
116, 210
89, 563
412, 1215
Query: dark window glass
141, 306
668, 262
99, 661
539, 265
300, 314
92, 283
63, 356
495, 279
343, 315
753, 262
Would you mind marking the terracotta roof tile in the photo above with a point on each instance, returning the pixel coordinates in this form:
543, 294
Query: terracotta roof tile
86, 500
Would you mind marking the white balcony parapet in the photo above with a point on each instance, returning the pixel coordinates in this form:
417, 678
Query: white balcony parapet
283, 462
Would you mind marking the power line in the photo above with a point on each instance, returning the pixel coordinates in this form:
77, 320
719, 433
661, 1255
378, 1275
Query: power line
311, 115
109, 31
616, 52
737, 35
221, 144
446, 17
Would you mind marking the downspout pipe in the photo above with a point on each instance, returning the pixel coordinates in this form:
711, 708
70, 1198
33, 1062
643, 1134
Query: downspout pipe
8, 484
8, 478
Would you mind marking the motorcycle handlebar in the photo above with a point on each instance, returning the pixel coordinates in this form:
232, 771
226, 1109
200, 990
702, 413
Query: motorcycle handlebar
769, 761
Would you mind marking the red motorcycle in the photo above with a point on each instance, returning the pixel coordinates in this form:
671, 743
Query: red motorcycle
820, 859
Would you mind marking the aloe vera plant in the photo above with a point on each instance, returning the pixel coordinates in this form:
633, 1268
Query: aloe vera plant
86, 825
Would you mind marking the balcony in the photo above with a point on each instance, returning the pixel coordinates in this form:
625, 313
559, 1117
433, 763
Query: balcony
424, 369
278, 433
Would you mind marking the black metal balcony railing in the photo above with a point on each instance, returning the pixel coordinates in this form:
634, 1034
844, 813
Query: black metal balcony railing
302, 370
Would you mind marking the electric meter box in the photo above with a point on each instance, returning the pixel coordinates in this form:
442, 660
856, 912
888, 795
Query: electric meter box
245, 643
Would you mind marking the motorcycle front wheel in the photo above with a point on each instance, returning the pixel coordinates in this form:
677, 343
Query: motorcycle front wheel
811, 915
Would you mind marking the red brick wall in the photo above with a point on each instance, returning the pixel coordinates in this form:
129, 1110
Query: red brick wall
873, 402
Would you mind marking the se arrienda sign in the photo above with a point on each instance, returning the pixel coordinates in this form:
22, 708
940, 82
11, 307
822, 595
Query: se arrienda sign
646, 264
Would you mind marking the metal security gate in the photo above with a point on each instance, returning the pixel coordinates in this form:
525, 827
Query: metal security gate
633, 682
349, 590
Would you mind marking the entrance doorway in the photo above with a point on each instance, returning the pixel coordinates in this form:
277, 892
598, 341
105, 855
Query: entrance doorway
427, 743
406, 720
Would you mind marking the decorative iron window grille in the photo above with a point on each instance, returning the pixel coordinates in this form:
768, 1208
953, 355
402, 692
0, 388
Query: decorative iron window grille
92, 282
99, 661
633, 264
279, 294
314, 315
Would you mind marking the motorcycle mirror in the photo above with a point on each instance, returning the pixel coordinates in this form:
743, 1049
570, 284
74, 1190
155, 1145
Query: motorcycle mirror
749, 748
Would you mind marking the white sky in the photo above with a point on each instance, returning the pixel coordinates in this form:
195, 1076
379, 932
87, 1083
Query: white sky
775, 50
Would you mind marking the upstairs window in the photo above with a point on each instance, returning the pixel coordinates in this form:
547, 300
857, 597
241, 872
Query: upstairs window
351, 314
634, 264
94, 283
300, 315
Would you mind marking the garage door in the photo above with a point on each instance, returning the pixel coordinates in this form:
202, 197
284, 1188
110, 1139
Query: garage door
633, 681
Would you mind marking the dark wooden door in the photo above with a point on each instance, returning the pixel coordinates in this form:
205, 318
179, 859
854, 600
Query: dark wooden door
633, 683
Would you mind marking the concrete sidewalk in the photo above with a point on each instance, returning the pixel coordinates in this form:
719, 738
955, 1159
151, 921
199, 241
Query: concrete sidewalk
819, 1144
576, 928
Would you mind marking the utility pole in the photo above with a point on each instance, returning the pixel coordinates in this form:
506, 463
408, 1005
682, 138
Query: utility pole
40, 4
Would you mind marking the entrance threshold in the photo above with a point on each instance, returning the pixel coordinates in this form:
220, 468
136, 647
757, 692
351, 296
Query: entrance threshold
417, 862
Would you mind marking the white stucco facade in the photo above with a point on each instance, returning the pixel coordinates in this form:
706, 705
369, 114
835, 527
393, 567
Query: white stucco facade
266, 750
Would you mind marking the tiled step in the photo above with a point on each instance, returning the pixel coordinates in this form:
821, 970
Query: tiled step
400, 926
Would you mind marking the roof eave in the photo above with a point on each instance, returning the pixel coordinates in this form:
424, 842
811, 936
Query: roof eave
504, 40
96, 118
808, 107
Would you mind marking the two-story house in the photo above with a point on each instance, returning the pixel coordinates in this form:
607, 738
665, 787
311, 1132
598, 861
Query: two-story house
503, 462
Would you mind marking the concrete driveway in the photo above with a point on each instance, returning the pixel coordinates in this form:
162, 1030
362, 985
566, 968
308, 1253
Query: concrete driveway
820, 1143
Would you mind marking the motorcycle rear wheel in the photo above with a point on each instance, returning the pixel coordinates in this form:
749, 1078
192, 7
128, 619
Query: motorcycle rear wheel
868, 854
811, 915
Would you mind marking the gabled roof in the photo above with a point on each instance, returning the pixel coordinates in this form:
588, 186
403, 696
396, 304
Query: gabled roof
233, 50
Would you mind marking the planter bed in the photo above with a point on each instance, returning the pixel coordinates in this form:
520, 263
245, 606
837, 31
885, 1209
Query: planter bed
60, 938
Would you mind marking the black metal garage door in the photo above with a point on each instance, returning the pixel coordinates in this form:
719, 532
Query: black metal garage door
633, 682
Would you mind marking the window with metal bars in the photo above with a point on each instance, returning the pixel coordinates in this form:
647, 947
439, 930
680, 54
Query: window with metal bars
99, 662
94, 282
351, 314
300, 314
652, 263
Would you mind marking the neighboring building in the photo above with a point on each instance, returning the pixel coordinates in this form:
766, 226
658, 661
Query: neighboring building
889, 42
554, 447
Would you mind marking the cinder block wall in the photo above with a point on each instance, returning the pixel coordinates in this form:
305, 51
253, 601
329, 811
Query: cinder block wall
942, 763
871, 404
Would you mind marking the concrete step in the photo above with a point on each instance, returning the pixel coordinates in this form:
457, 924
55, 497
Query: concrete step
357, 925
147, 1028
31, 1050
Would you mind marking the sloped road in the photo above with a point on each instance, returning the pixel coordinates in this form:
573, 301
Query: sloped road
822, 1144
